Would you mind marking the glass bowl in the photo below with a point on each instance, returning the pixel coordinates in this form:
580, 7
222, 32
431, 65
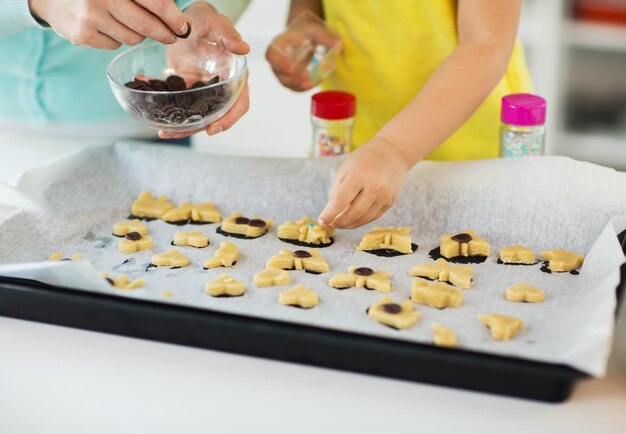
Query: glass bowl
213, 79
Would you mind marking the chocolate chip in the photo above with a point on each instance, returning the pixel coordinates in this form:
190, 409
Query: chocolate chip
197, 84
301, 254
108, 279
214, 80
391, 308
462, 238
257, 223
158, 85
363, 271
241, 220
137, 85
175, 83
133, 236
187, 33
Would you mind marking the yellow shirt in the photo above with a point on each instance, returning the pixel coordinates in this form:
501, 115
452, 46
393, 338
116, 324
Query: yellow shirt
391, 48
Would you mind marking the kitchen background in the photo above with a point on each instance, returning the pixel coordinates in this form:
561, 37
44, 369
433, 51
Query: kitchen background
576, 51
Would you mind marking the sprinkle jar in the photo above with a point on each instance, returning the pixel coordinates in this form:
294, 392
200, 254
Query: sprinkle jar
523, 131
332, 116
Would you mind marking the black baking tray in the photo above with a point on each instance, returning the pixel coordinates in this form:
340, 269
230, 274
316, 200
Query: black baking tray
36, 301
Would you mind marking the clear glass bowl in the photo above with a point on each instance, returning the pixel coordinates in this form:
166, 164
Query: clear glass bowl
194, 60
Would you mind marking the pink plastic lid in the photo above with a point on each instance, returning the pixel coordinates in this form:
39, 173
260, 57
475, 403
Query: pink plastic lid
333, 104
523, 109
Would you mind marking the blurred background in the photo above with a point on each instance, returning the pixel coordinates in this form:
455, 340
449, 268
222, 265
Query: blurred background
576, 51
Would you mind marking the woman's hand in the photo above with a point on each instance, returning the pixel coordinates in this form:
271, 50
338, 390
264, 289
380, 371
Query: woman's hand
366, 186
107, 24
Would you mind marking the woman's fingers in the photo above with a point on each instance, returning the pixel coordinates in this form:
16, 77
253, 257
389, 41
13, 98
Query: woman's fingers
103, 42
119, 32
168, 13
143, 22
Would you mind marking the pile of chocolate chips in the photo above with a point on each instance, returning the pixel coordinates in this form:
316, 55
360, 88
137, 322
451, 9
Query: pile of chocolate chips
177, 108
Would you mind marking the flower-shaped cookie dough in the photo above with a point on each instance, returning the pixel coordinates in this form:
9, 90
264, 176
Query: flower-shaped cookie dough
435, 294
310, 261
299, 296
123, 282
443, 336
57, 256
272, 277
173, 259
389, 313
133, 242
502, 327
194, 239
225, 286
517, 254
389, 241
150, 208
560, 261
225, 256
458, 275
465, 244
523, 292
120, 229
305, 232
362, 277
238, 226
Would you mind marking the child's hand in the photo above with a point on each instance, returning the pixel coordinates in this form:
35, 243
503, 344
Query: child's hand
367, 185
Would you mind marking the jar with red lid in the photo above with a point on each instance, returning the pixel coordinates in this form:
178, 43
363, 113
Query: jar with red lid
332, 116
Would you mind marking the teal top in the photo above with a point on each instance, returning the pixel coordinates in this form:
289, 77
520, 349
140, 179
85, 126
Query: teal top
45, 79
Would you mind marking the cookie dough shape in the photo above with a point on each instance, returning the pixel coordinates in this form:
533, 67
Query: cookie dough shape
458, 275
362, 277
123, 282
224, 286
435, 294
443, 336
272, 277
523, 292
120, 229
310, 261
517, 254
205, 212
179, 215
194, 239
398, 316
134, 242
225, 256
57, 256
464, 244
560, 261
388, 241
299, 296
238, 226
172, 258
305, 232
148, 207
502, 327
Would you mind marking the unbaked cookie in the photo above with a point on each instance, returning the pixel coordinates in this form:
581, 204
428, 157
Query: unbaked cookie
502, 327
398, 316
225, 256
310, 261
172, 258
458, 275
443, 336
120, 229
148, 207
224, 286
362, 277
388, 241
59, 257
238, 226
134, 242
435, 294
518, 255
299, 296
272, 277
123, 282
523, 292
179, 215
305, 232
560, 261
465, 247
194, 239
206, 212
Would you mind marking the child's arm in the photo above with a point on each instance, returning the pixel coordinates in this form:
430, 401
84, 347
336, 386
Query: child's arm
369, 180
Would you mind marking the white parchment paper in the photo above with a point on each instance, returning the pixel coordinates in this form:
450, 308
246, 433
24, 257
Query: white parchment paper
544, 203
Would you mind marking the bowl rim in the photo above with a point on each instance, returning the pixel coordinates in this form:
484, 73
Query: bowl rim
235, 77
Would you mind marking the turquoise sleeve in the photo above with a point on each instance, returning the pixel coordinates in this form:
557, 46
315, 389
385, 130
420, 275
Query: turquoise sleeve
15, 16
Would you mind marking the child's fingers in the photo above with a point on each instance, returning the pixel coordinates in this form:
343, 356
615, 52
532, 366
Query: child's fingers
374, 213
340, 197
355, 211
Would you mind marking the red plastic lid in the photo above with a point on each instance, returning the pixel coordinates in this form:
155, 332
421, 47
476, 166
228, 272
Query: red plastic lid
333, 104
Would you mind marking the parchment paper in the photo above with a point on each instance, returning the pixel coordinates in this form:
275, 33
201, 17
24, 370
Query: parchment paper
544, 203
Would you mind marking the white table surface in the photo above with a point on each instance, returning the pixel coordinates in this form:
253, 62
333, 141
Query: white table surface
61, 380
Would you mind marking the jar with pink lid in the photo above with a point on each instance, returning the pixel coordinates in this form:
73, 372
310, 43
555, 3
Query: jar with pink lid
523, 130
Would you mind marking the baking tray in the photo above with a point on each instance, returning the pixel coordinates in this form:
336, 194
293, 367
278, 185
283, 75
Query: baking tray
35, 301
